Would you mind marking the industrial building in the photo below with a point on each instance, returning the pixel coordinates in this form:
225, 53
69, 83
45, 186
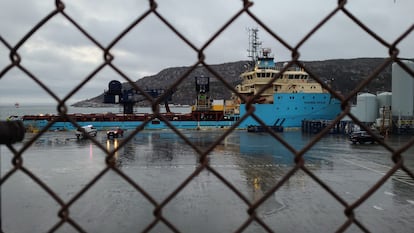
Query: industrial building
390, 111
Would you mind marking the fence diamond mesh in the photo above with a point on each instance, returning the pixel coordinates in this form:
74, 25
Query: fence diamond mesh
66, 217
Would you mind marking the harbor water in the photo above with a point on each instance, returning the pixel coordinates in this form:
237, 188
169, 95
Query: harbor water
159, 162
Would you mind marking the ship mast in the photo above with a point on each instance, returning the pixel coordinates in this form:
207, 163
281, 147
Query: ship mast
254, 44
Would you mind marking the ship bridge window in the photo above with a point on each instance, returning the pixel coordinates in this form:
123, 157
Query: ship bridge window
297, 76
290, 76
277, 88
268, 75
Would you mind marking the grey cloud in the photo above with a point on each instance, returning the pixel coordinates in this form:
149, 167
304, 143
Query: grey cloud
151, 46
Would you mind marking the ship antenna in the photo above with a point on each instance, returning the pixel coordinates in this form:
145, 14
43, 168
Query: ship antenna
254, 44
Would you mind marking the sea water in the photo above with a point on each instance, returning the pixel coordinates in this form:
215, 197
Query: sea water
159, 161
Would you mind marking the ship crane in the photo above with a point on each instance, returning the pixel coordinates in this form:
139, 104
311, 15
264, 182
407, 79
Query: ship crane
202, 86
129, 97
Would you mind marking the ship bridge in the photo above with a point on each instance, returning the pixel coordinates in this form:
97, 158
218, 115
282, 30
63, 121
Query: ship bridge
266, 60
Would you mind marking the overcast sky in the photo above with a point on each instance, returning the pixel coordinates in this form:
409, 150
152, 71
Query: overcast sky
61, 57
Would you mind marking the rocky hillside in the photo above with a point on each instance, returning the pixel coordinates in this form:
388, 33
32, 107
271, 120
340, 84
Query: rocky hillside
345, 75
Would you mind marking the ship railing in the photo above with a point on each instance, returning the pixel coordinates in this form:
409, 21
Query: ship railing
202, 108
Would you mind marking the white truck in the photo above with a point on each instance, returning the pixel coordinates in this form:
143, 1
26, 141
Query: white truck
88, 129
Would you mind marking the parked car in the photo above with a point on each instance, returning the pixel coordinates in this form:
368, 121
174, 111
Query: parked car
363, 137
88, 129
115, 133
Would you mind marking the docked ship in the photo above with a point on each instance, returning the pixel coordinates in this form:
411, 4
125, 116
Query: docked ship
286, 98
281, 99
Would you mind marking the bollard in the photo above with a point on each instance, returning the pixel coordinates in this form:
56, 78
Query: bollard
11, 132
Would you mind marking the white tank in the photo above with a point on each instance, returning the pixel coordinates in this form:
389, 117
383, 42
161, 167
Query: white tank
402, 90
367, 107
384, 99
385, 112
384, 104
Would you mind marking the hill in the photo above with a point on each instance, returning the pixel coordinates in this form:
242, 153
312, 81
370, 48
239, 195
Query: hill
345, 75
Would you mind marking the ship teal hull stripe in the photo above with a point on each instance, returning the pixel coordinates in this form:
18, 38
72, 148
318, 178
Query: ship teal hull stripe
105, 125
288, 110
292, 108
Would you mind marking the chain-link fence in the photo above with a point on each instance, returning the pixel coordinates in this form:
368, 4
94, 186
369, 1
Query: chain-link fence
203, 154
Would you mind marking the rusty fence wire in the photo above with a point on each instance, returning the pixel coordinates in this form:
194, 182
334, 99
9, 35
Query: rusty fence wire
300, 164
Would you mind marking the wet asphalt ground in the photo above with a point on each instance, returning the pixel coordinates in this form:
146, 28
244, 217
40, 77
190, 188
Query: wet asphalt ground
160, 161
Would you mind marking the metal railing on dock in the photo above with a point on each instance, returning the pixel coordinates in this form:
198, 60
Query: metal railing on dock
316, 126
